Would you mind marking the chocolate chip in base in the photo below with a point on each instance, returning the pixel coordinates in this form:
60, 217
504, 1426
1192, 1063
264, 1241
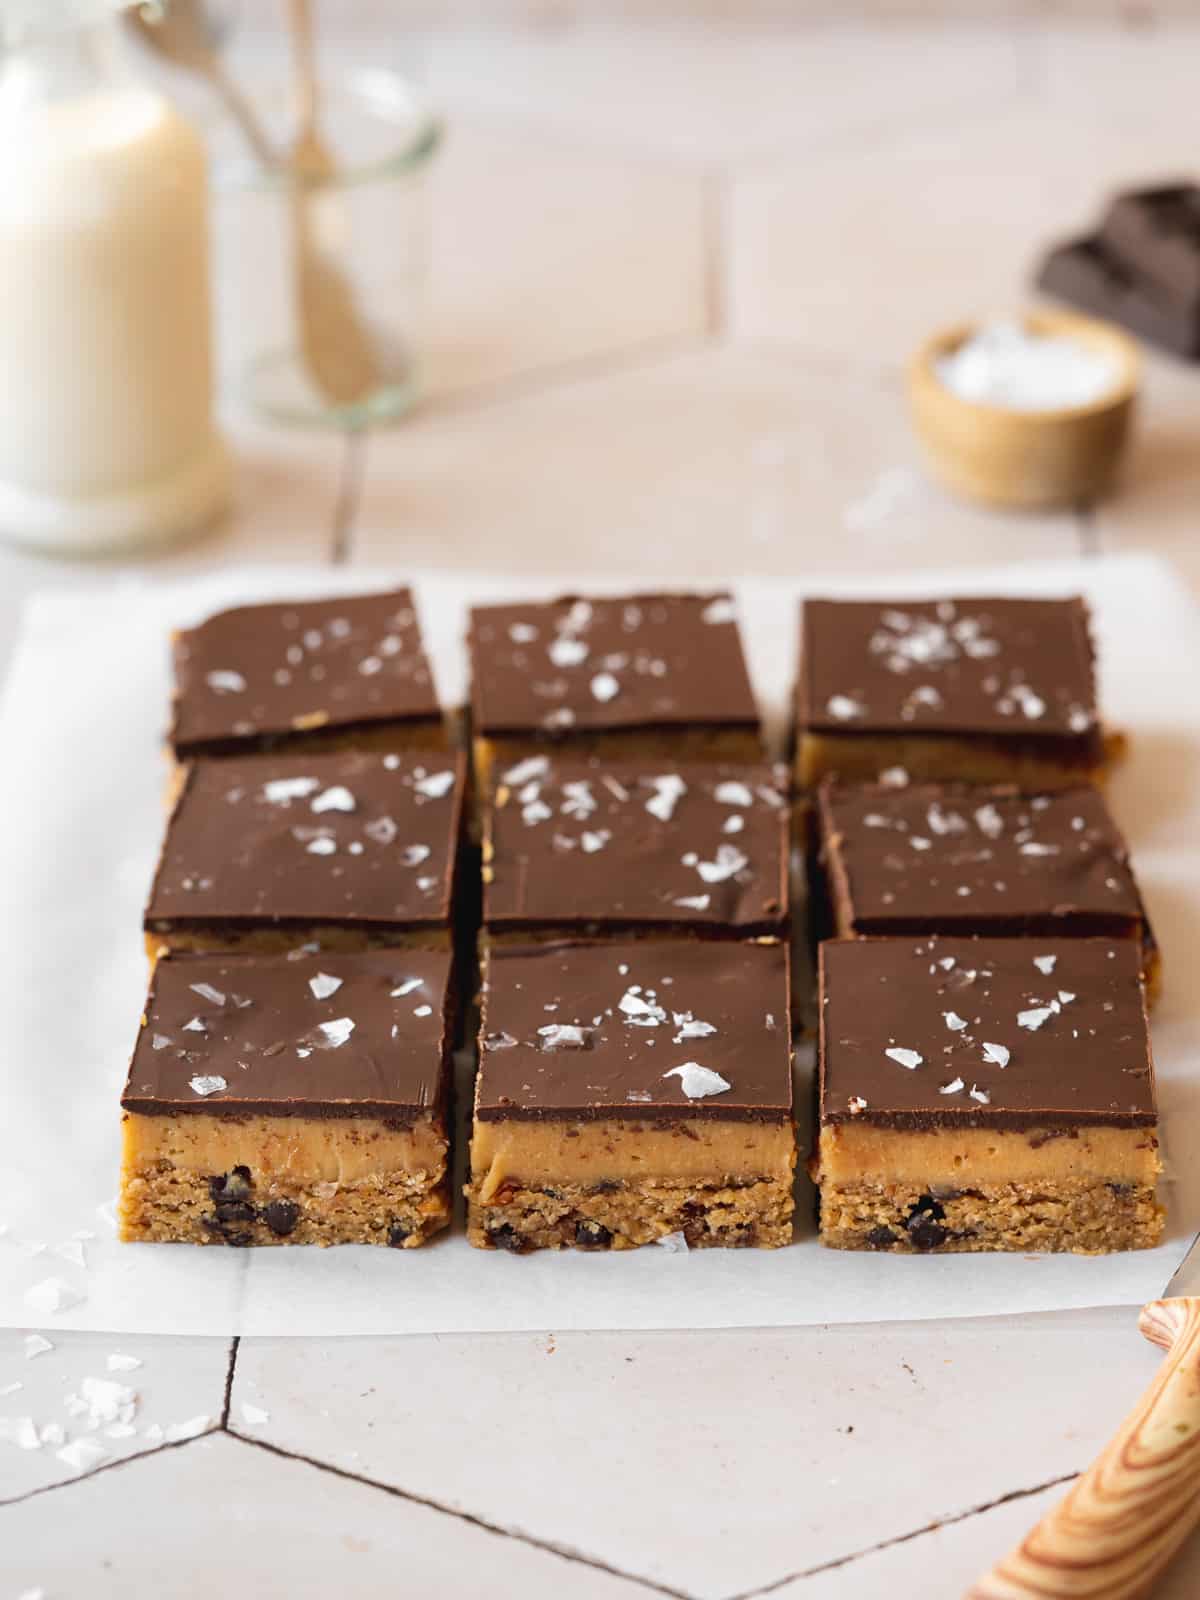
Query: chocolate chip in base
231, 1186
924, 1224
281, 1216
592, 1236
239, 1238
506, 1237
398, 1232
880, 1239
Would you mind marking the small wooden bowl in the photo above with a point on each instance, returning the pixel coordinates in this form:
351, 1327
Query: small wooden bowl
1029, 459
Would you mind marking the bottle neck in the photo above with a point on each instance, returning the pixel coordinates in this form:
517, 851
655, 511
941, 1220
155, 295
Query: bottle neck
62, 64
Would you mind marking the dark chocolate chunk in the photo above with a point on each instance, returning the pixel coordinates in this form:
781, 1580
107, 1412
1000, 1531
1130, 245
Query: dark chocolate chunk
924, 1224
1025, 1034
682, 1030
619, 845
960, 859
257, 674
351, 839
1007, 668
644, 661
336, 1035
505, 1237
592, 1235
281, 1216
398, 1232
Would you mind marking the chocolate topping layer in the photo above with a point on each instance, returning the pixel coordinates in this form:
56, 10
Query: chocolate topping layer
1010, 1033
270, 670
575, 1031
963, 859
590, 841
643, 661
1020, 668
322, 1036
348, 838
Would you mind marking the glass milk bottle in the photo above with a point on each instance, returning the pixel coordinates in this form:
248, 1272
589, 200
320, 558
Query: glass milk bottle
106, 430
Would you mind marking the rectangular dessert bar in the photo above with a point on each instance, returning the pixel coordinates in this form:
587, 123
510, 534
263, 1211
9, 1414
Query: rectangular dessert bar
980, 690
649, 675
305, 675
986, 1094
631, 1092
962, 859
344, 849
1155, 234
273, 1100
1088, 274
577, 847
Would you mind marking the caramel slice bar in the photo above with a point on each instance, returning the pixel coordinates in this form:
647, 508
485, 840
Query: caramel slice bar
305, 675
974, 860
273, 1100
655, 675
986, 1094
346, 849
577, 847
982, 691
633, 1092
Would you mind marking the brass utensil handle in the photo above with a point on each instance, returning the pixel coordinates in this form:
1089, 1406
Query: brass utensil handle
1120, 1523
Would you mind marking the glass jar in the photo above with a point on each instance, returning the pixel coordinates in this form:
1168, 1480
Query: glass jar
314, 269
106, 431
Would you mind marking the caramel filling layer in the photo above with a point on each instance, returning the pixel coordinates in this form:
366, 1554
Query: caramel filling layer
301, 1150
979, 759
961, 1158
531, 1153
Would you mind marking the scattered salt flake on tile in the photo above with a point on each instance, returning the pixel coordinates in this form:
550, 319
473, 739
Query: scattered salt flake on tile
674, 1243
1034, 1017
52, 1295
153, 1433
82, 1454
996, 1055
336, 1033
279, 791
563, 1036
323, 984
733, 794
71, 1250
177, 1432
981, 1095
206, 1083
955, 1086
905, 1058
21, 1431
120, 1430
335, 798
254, 1416
668, 791
698, 1082
422, 1011
729, 861
844, 708
32, 1247
722, 609
954, 1022
225, 682
36, 1345
406, 987
120, 1363
32, 1594
107, 1400
605, 687
9, 1388
52, 1433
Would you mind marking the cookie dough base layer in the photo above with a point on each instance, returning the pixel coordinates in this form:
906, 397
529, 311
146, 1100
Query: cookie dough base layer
1029, 765
251, 1180
1087, 1218
622, 1216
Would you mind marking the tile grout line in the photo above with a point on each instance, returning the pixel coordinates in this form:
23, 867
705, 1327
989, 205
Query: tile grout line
109, 1466
563, 1552
230, 1371
903, 1538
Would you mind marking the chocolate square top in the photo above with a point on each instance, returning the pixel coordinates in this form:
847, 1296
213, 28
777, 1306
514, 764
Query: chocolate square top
645, 661
1008, 1033
349, 838
960, 859
625, 844
332, 1035
262, 672
1018, 668
636, 1030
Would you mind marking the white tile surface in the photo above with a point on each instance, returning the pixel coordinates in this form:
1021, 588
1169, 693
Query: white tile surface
711, 1463
221, 1517
704, 464
179, 1381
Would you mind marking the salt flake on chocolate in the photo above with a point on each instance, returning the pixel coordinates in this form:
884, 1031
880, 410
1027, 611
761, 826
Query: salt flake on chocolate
322, 845
982, 1095
989, 821
406, 987
1035, 1016
954, 1022
733, 794
955, 1086
605, 687
567, 652
843, 708
729, 861
996, 1055
856, 1105
336, 798
668, 791
722, 609
645, 1013
324, 984
336, 1033
531, 767
435, 784
698, 1082
693, 902
1045, 964
205, 1084
905, 1058
564, 1036
225, 682
280, 791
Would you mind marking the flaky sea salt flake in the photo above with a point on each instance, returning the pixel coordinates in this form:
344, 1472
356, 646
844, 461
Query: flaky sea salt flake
206, 1083
698, 1082
905, 1058
323, 984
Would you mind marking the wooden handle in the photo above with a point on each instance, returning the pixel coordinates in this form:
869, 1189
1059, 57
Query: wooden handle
1124, 1519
